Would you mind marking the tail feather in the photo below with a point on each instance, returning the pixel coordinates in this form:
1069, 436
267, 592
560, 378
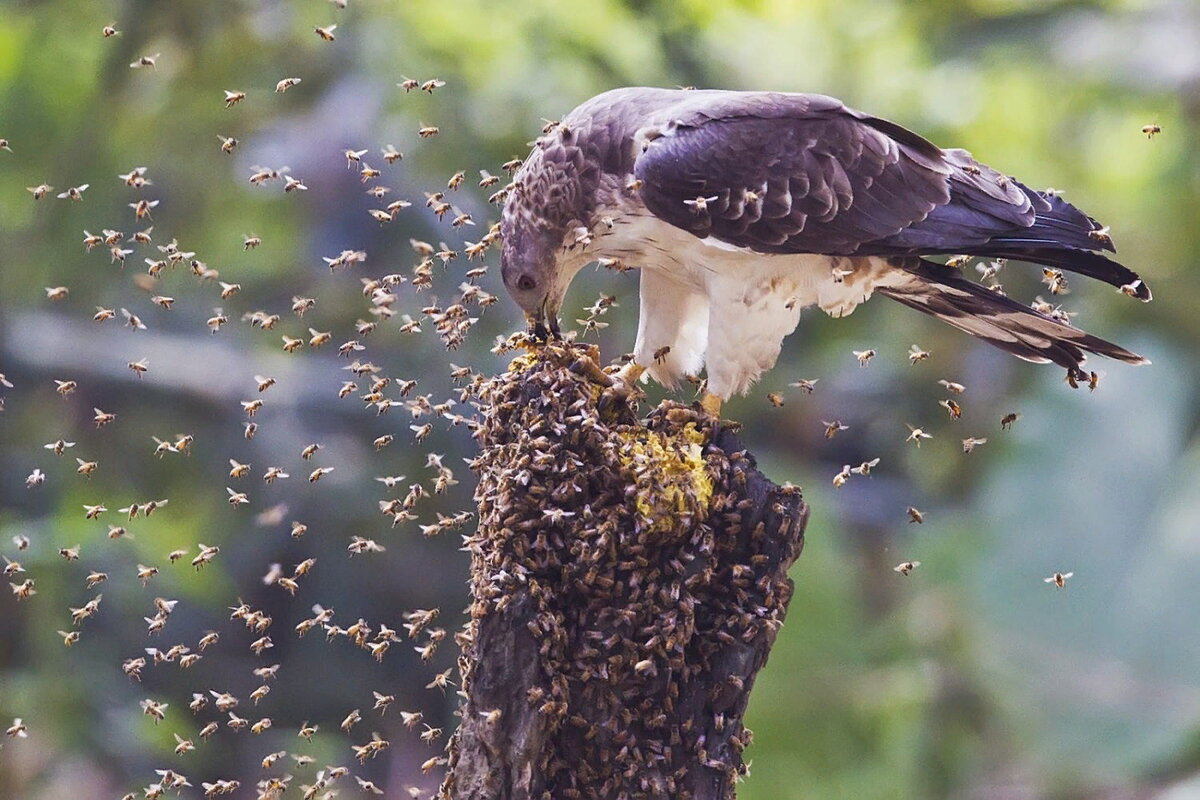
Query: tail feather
1083, 262
942, 292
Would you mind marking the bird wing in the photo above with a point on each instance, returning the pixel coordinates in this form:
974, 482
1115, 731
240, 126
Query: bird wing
823, 178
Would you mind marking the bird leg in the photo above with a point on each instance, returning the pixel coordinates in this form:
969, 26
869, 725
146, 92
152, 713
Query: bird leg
711, 403
623, 384
629, 374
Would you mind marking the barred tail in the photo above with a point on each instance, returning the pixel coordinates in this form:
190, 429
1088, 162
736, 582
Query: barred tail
942, 292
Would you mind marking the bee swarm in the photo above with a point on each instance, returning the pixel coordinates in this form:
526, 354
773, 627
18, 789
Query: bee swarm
628, 580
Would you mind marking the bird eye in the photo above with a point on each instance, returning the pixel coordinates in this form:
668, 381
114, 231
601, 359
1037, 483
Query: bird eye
526, 283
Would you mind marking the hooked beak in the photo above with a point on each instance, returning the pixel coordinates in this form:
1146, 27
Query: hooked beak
543, 323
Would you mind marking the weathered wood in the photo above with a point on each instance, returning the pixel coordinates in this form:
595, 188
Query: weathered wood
628, 580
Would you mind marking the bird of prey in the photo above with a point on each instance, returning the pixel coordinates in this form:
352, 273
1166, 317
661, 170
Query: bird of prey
743, 208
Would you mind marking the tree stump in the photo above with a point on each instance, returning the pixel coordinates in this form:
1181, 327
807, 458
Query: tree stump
628, 579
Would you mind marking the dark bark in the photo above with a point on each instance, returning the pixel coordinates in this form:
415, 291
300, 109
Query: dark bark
628, 580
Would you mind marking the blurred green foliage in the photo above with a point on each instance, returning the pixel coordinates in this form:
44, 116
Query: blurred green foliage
969, 678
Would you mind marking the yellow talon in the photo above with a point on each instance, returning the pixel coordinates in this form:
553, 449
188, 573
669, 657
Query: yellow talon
629, 374
711, 403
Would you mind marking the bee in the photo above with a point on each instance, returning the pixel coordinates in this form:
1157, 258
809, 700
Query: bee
775, 399
252, 407
69, 553
207, 731
103, 314
18, 730
140, 367
1101, 235
207, 553
420, 432
318, 338
13, 567
260, 693
23, 590
286, 84
236, 498
430, 85
4, 145
65, 388
971, 442
352, 719
235, 722
40, 191
368, 173
916, 354
863, 356
391, 155
207, 640
309, 451
915, 435
383, 441
700, 204
368, 786
915, 515
319, 473
1056, 280
154, 710
132, 320
953, 408
953, 388
142, 209
408, 84
69, 637
958, 262
427, 131
1151, 130
834, 428
865, 467
1006, 422
57, 293
162, 300
440, 681
905, 567
293, 184
1059, 579
93, 512
228, 143
291, 345
146, 61
86, 468
326, 33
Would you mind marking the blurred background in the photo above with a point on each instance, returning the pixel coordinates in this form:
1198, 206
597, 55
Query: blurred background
969, 678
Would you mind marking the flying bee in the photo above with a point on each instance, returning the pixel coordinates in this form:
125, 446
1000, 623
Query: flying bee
319, 473
326, 33
236, 498
368, 173
391, 155
865, 467
916, 354
915, 435
834, 428
309, 451
86, 468
1059, 579
40, 191
93, 512
915, 515
57, 293
905, 567
163, 301
252, 407
863, 356
427, 131
69, 553
430, 85
65, 388
146, 61
286, 84
971, 442
953, 408
408, 84
109, 31
142, 208
139, 367
1006, 422
958, 262
154, 710
953, 388
228, 143
273, 474
1056, 280
1151, 130
291, 345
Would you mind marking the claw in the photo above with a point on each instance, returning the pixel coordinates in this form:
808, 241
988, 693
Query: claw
711, 404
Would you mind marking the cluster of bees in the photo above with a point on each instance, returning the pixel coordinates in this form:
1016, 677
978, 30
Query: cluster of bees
639, 564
